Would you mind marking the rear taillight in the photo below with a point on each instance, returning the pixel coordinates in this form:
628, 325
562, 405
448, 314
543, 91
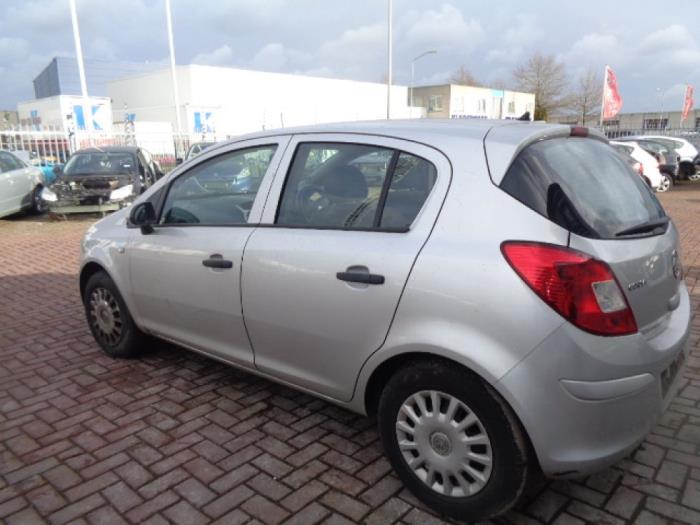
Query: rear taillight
580, 288
640, 168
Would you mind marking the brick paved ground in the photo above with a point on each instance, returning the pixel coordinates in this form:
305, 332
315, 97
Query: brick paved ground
174, 437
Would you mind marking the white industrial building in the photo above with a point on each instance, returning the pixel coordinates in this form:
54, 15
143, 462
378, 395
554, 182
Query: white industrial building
221, 101
66, 113
457, 101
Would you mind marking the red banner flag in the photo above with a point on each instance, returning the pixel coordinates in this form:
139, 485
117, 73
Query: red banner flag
612, 101
688, 104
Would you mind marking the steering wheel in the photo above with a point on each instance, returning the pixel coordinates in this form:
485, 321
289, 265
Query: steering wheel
311, 200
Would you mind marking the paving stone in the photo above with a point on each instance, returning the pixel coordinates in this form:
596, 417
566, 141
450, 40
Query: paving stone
624, 502
175, 437
672, 473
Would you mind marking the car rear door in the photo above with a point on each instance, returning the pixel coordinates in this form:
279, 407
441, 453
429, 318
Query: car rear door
185, 275
324, 272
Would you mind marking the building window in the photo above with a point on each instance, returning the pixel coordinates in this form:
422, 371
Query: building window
435, 103
482, 105
697, 122
511, 106
655, 123
611, 123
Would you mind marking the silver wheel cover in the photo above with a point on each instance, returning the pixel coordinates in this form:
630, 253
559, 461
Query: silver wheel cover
444, 443
105, 316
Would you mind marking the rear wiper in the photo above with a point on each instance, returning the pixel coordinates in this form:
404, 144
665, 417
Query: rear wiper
644, 227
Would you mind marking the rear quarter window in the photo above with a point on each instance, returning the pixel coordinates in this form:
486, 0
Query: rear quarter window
583, 185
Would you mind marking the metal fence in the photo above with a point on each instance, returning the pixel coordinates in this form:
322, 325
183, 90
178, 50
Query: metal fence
51, 145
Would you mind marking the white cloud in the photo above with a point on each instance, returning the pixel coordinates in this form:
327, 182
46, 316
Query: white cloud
13, 49
277, 57
516, 39
444, 28
221, 56
670, 48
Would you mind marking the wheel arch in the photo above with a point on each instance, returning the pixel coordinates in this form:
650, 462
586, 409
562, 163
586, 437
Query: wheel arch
381, 374
87, 271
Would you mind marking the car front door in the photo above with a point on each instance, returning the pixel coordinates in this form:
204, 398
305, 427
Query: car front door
322, 276
185, 275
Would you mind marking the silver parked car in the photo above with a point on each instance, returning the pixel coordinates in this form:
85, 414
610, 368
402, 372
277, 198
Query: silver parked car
20, 186
506, 297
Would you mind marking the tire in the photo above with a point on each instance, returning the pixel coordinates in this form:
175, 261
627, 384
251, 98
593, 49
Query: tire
38, 206
109, 319
666, 183
491, 489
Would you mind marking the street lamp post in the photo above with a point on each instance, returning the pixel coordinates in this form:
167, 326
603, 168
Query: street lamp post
413, 72
389, 65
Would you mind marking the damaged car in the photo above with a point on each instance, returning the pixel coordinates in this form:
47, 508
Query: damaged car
101, 180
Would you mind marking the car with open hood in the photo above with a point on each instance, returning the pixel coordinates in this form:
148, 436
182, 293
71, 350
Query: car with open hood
101, 180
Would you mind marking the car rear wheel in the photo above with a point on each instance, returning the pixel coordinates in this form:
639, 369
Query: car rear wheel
109, 319
666, 183
38, 205
453, 440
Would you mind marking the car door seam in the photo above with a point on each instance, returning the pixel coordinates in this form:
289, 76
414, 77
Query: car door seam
405, 284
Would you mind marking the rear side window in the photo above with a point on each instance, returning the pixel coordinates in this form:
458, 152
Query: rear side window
582, 185
354, 186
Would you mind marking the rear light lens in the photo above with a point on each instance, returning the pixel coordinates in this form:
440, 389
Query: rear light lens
580, 288
640, 168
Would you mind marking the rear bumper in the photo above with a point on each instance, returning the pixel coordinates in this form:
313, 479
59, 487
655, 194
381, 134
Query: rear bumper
587, 401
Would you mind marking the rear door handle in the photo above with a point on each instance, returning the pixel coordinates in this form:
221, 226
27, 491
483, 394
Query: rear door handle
217, 261
358, 277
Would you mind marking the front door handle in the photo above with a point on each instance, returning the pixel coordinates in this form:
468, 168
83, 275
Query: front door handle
359, 277
217, 261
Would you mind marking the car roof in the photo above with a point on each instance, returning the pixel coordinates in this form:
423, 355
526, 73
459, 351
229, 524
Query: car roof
501, 139
109, 149
420, 130
653, 138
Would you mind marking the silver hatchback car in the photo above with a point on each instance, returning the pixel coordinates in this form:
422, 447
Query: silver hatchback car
505, 297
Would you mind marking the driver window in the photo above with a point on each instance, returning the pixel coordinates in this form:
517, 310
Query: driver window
334, 186
220, 191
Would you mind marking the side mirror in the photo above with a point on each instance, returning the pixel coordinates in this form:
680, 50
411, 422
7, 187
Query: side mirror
143, 215
57, 169
178, 161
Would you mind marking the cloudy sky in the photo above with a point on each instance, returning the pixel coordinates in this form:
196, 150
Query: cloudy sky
651, 46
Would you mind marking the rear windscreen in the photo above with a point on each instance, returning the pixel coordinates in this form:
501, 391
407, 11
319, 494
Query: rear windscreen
583, 185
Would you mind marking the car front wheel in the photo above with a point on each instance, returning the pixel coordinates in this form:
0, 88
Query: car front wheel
38, 205
453, 441
666, 183
109, 319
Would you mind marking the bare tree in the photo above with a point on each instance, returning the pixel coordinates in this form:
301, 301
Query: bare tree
463, 77
587, 94
544, 76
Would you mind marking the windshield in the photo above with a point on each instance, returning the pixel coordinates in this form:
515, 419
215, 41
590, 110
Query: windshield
101, 163
583, 185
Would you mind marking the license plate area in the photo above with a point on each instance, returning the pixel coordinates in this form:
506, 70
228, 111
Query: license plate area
668, 375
